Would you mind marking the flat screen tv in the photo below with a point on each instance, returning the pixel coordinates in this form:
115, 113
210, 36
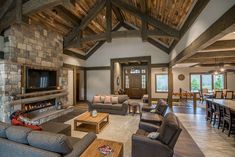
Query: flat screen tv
40, 80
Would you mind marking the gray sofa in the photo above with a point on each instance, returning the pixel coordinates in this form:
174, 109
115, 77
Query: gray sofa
120, 108
163, 146
18, 141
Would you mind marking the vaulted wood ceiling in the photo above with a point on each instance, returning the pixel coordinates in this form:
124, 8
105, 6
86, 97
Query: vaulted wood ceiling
87, 24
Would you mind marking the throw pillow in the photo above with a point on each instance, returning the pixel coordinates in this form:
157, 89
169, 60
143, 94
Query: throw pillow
153, 135
96, 99
107, 100
102, 99
114, 100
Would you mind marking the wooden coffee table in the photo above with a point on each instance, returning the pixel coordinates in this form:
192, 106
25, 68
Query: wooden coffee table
92, 150
85, 122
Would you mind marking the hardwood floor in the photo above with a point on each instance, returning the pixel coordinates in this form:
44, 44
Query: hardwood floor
210, 140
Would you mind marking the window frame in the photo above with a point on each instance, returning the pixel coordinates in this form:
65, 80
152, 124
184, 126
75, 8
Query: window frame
212, 80
156, 83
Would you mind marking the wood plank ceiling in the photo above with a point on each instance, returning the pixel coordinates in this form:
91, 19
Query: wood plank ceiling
158, 21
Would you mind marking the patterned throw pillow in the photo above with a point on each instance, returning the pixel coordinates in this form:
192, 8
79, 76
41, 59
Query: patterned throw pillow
107, 100
153, 135
114, 100
96, 99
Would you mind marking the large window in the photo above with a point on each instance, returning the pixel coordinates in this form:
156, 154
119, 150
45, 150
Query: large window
207, 82
161, 82
195, 83
219, 82
199, 82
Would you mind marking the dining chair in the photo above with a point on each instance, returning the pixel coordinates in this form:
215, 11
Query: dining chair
218, 94
210, 111
228, 120
229, 95
218, 114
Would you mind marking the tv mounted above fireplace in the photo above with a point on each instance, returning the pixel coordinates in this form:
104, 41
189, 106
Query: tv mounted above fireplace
40, 80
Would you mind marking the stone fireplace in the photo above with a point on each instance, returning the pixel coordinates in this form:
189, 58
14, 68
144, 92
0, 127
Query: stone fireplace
29, 45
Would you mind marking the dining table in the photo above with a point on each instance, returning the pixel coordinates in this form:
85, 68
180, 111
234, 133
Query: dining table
224, 103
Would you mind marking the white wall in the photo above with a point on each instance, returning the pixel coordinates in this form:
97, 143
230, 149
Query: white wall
73, 61
126, 47
213, 11
98, 82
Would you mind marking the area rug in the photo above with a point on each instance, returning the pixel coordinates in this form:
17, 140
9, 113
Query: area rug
121, 129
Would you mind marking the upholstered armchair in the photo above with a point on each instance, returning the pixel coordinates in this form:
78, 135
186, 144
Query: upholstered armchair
163, 145
157, 116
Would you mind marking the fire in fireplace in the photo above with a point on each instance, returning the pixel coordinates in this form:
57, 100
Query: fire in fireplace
38, 105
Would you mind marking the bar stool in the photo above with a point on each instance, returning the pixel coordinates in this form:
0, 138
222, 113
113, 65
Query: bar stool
228, 120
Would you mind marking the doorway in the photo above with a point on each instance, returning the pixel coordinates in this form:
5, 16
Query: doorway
135, 81
131, 76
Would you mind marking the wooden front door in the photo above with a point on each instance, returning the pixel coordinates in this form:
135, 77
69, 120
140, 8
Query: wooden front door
135, 81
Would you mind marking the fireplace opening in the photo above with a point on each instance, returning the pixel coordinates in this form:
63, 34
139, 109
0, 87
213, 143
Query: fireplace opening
27, 108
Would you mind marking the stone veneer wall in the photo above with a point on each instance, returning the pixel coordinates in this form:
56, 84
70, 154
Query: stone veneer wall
28, 45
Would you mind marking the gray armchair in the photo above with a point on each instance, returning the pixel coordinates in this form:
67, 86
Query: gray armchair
163, 146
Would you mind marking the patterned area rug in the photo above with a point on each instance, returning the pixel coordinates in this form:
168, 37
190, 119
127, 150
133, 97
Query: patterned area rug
121, 129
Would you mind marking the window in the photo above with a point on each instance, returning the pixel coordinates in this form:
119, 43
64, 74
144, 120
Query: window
206, 82
199, 82
219, 82
161, 82
143, 81
195, 83
127, 82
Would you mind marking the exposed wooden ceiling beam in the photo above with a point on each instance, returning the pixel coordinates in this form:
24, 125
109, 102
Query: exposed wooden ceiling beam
158, 45
224, 25
108, 20
5, 7
99, 44
150, 40
210, 60
84, 22
118, 13
146, 18
33, 6
221, 45
74, 54
28, 8
122, 34
196, 11
219, 54
19, 15
144, 23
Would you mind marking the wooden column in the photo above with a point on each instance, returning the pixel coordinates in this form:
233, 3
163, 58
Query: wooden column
108, 20
195, 100
170, 86
85, 84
